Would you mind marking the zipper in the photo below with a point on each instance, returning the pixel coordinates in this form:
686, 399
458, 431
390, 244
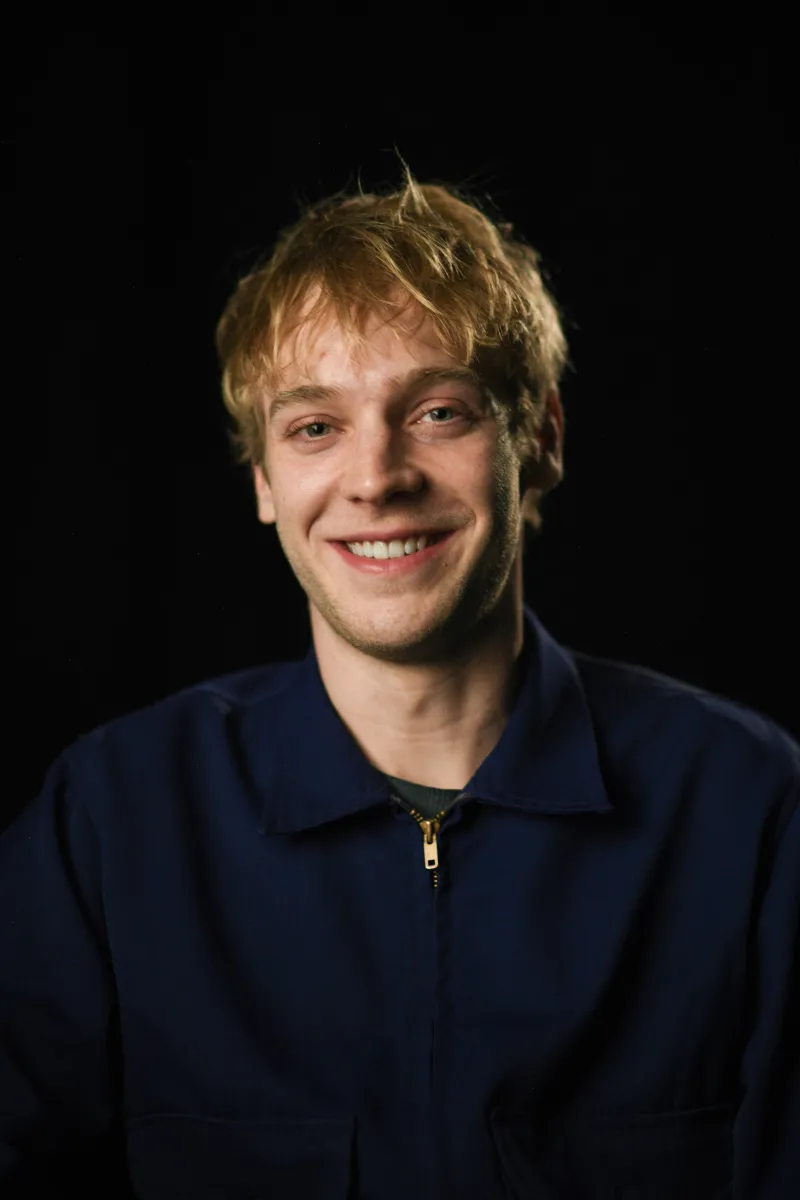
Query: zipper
430, 828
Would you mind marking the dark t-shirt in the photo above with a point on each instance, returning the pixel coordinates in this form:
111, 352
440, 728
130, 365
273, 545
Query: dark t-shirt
426, 800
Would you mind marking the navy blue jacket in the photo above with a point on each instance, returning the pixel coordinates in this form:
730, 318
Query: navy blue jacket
228, 970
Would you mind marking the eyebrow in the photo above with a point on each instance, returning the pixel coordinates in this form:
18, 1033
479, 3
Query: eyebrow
398, 384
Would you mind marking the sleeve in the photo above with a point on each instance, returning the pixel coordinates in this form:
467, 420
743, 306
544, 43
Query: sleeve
59, 1066
766, 1135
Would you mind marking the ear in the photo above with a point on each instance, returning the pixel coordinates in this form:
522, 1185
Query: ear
546, 470
265, 506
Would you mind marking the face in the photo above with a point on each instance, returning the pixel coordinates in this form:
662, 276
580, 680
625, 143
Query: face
393, 442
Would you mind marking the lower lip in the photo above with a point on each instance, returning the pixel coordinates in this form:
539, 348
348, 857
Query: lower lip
391, 566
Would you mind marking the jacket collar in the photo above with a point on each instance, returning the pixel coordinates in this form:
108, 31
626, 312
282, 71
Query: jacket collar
310, 770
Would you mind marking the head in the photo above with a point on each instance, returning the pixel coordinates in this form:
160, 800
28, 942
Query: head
374, 316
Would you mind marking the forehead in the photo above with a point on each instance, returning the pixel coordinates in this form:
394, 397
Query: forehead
322, 351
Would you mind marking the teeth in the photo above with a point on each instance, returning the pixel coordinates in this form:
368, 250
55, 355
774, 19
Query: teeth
393, 549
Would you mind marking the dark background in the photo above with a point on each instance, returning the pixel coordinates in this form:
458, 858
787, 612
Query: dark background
654, 168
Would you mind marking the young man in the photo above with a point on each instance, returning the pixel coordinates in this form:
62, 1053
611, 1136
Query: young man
444, 910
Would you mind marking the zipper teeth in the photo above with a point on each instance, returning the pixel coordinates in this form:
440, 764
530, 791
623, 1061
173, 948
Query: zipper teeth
434, 822
418, 817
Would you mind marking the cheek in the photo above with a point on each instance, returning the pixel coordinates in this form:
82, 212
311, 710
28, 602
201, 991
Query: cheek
301, 501
505, 484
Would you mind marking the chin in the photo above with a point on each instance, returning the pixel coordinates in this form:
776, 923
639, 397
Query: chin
408, 636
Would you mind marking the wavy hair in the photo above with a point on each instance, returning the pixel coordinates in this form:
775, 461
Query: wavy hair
370, 254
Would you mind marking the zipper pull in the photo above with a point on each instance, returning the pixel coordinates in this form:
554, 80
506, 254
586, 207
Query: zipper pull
431, 850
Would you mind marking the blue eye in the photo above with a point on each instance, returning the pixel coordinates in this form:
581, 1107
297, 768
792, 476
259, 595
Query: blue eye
308, 425
441, 408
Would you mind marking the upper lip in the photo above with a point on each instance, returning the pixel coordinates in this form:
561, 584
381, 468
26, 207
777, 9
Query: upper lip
391, 535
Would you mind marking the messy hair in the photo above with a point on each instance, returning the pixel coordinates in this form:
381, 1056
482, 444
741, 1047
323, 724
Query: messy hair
370, 254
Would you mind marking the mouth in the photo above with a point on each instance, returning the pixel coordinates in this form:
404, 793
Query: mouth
394, 563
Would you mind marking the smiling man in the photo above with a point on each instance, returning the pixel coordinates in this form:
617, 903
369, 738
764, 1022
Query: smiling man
394, 485
226, 969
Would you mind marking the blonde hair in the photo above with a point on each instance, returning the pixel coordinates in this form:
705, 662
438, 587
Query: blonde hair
482, 289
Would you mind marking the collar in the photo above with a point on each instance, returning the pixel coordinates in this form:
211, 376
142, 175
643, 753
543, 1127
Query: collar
311, 770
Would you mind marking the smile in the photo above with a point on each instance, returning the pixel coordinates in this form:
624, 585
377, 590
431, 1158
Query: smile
389, 558
394, 549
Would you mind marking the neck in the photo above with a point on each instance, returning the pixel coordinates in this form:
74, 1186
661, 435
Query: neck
431, 723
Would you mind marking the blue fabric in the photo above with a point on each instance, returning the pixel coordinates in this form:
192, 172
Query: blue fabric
225, 970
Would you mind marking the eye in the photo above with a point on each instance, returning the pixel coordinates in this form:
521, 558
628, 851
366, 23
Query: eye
308, 425
447, 408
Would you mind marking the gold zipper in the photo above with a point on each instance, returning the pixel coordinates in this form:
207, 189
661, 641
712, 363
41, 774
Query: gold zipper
430, 828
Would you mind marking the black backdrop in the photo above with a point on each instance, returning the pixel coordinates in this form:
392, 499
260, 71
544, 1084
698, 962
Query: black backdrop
655, 169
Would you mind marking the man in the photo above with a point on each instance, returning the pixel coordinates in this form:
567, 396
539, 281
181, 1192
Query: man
444, 910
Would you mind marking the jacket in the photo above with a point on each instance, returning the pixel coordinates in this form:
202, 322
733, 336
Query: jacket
230, 966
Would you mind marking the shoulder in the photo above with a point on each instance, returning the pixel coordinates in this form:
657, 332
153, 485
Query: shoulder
186, 724
677, 730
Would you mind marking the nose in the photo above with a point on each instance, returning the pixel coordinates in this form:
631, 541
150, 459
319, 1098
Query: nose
379, 465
